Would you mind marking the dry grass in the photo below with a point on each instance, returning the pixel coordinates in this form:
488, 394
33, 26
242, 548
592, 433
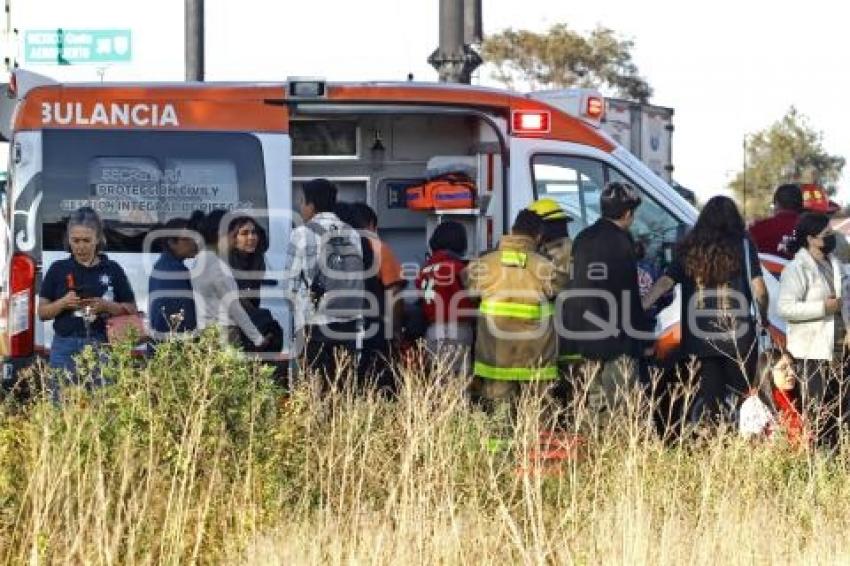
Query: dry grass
196, 457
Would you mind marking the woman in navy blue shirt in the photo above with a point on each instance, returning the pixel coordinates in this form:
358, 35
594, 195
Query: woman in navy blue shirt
80, 292
170, 300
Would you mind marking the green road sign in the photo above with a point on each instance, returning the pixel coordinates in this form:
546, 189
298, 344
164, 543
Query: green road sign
75, 46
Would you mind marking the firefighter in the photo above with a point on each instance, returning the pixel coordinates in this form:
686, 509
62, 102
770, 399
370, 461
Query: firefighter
515, 347
555, 243
556, 246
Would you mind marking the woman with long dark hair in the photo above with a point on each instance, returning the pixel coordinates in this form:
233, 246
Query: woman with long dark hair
810, 302
247, 244
215, 289
718, 267
247, 247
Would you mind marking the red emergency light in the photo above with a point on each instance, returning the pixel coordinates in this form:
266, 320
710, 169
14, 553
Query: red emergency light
531, 122
595, 107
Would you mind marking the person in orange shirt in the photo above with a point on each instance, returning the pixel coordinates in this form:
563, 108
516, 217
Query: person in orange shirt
390, 282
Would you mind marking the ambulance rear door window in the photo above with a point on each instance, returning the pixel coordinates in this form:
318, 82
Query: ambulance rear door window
137, 180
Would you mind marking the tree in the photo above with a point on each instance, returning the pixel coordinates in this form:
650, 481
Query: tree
789, 151
562, 58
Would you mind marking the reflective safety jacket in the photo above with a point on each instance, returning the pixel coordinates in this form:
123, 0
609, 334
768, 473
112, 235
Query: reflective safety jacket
515, 338
560, 253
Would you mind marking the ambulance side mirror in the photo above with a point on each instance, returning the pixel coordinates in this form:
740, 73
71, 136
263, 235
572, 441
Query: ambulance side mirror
3, 198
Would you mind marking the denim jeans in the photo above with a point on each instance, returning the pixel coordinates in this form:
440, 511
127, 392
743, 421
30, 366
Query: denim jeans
62, 352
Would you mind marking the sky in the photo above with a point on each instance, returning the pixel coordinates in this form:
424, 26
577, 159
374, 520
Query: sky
728, 68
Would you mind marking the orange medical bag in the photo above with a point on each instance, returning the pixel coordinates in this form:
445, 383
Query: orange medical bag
447, 192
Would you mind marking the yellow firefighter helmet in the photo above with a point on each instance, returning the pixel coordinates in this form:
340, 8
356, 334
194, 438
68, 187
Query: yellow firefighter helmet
549, 209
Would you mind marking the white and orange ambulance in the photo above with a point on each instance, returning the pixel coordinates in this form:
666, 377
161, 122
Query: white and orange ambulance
143, 153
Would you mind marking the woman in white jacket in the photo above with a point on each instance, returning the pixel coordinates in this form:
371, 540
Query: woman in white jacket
215, 289
810, 303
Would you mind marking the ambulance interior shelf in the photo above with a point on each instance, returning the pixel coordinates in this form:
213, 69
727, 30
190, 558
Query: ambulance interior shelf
456, 212
483, 203
472, 219
450, 189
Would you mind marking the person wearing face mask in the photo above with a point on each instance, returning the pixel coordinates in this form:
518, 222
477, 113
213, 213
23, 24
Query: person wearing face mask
816, 199
810, 303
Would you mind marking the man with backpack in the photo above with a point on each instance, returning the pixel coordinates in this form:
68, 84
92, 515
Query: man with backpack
324, 275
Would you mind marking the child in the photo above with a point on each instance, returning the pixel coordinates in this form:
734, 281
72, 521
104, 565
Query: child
445, 309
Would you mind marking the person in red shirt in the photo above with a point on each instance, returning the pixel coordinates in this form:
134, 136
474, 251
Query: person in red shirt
773, 234
447, 308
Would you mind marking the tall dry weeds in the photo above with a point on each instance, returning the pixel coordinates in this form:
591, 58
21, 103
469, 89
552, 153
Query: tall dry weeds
196, 457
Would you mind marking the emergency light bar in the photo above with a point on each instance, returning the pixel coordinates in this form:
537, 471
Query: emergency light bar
531, 121
595, 107
584, 103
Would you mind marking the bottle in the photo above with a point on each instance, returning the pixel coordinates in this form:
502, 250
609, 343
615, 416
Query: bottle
71, 285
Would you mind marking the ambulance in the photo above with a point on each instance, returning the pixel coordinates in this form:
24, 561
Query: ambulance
141, 154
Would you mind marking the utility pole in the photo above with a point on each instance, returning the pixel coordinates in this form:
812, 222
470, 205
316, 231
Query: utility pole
473, 26
194, 40
460, 24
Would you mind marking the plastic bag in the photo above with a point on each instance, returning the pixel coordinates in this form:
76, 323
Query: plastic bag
755, 418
